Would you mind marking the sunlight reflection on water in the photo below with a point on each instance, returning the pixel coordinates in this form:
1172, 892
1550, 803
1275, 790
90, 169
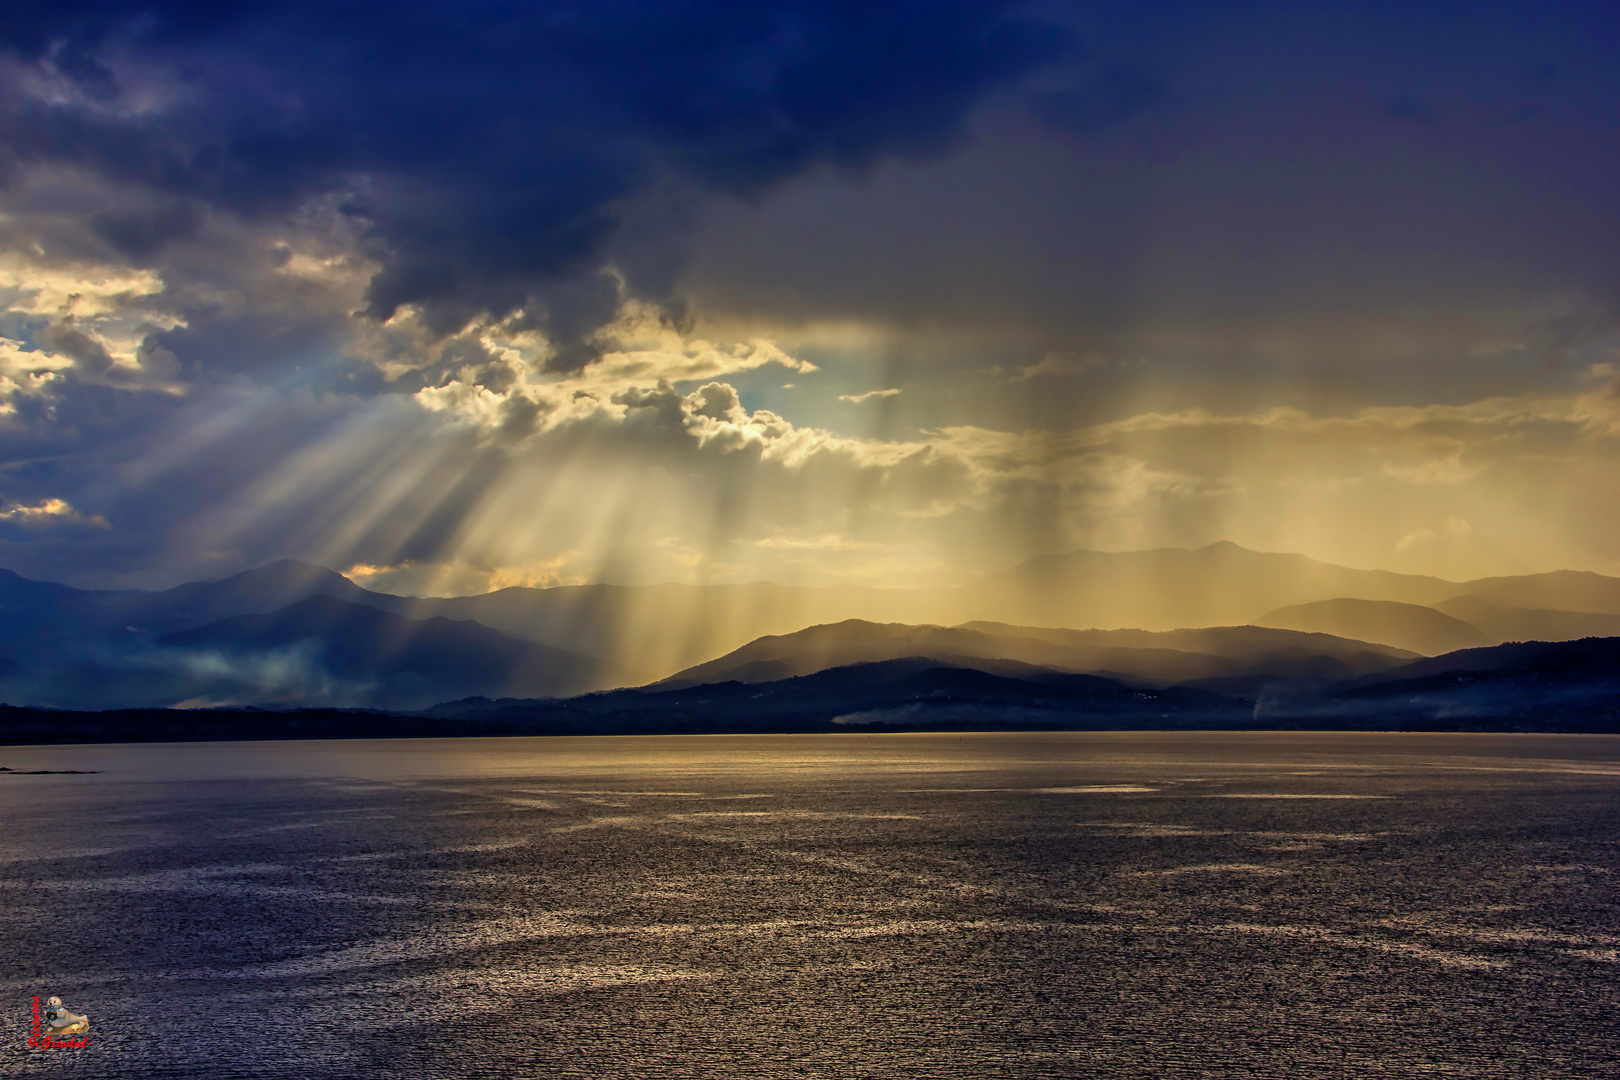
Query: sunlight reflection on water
1099, 904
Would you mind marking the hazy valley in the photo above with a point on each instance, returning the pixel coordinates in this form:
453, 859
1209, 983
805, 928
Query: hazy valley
1205, 637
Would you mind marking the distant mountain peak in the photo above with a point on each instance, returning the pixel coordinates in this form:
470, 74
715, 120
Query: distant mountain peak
280, 574
279, 568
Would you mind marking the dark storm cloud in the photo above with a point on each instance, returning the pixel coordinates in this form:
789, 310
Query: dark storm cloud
1008, 222
1379, 202
490, 149
1102, 101
141, 234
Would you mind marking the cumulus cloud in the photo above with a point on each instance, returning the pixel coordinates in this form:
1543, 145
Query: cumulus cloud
48, 514
509, 298
647, 465
658, 481
79, 322
716, 401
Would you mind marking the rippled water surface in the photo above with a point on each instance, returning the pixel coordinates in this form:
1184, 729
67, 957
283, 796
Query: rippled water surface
1153, 904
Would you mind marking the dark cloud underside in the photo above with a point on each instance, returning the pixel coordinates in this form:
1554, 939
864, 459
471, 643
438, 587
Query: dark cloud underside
808, 290
491, 149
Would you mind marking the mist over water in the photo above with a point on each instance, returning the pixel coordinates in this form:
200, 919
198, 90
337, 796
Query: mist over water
1052, 905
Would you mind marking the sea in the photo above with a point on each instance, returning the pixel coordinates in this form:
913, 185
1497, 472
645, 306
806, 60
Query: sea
1143, 904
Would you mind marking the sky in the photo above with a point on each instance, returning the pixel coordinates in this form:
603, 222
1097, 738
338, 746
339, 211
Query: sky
451, 297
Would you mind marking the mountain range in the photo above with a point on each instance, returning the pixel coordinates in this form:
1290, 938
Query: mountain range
1229, 655
1538, 686
1220, 619
1420, 629
287, 634
1557, 686
667, 628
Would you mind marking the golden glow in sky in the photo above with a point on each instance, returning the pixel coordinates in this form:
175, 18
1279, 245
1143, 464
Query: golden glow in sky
1075, 280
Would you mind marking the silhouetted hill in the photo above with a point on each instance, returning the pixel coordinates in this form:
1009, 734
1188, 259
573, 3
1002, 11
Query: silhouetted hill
34, 611
18, 593
665, 628
906, 692
1529, 686
1588, 660
1567, 686
1561, 590
1155, 657
1501, 624
1219, 585
38, 611
81, 645
268, 588
1248, 644
668, 628
856, 641
1405, 626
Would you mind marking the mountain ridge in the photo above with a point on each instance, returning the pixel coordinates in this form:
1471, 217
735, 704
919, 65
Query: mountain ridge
1216, 652
1536, 686
58, 632
1414, 627
1529, 624
361, 642
1540, 686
